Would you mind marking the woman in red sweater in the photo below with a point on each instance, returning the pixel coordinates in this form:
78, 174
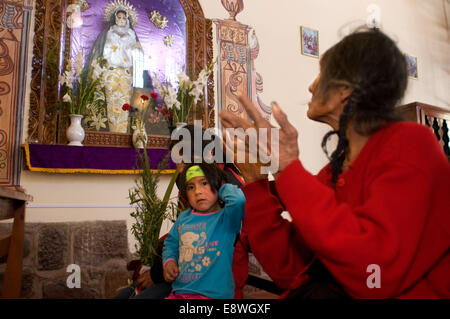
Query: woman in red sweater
375, 221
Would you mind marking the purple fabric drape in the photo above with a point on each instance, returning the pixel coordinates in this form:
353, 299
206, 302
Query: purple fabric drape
113, 159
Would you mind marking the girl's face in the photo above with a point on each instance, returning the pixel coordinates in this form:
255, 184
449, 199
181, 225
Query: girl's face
200, 196
121, 19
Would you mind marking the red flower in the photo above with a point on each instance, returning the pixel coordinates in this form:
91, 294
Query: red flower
144, 97
154, 95
169, 114
126, 107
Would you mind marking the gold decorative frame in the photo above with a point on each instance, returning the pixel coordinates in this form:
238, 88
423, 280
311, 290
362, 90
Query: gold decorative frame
45, 126
417, 66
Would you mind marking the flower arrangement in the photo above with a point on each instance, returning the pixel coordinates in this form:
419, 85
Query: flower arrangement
139, 113
180, 101
162, 112
80, 87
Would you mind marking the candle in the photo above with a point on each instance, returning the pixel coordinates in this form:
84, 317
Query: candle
374, 17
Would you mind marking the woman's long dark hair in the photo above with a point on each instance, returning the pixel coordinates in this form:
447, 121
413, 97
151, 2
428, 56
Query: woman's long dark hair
371, 63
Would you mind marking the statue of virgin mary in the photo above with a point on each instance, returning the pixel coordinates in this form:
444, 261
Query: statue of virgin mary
119, 46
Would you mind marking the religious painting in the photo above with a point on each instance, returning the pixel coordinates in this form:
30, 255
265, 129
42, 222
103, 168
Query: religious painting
411, 64
158, 39
309, 42
129, 42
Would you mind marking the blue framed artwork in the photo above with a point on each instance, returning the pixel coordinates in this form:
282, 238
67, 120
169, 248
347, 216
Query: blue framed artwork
411, 63
310, 41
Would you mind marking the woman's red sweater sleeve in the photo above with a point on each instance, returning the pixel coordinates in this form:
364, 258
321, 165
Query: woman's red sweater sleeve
277, 247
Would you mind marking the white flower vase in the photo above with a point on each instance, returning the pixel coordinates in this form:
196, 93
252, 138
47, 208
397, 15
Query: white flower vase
178, 126
75, 132
139, 138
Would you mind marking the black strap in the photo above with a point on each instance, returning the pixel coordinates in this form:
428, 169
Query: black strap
264, 284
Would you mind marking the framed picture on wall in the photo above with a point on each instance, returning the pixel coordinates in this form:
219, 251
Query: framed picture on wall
309, 41
411, 63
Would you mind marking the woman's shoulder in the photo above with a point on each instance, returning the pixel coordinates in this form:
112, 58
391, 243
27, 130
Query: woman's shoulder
409, 143
401, 134
404, 127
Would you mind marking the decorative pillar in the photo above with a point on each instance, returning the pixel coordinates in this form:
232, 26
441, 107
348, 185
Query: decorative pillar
14, 33
238, 48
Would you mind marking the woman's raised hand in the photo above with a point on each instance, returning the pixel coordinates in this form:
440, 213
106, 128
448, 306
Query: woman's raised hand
268, 141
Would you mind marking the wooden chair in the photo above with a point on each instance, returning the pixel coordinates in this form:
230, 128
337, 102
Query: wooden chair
436, 118
12, 206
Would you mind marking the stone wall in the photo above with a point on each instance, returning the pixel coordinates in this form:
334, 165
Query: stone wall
99, 248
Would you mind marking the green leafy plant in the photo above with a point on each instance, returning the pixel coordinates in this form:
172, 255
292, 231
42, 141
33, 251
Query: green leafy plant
150, 210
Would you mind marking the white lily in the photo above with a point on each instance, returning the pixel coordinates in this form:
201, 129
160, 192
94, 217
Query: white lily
170, 101
79, 64
158, 85
97, 70
203, 77
67, 78
196, 92
183, 99
184, 81
66, 98
170, 97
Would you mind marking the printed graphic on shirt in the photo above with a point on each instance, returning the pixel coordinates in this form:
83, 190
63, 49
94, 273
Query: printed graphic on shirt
197, 254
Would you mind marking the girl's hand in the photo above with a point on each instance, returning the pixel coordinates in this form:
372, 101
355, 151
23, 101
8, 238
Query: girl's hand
171, 271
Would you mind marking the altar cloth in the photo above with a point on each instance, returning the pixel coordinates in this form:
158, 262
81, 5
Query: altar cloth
53, 158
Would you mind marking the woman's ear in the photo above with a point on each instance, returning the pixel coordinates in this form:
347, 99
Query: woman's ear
345, 92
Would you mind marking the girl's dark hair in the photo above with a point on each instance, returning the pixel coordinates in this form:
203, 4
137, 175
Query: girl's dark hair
371, 63
213, 174
191, 128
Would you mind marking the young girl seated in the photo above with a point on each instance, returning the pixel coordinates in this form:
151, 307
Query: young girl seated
198, 251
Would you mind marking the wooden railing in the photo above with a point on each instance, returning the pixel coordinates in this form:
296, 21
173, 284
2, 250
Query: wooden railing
436, 118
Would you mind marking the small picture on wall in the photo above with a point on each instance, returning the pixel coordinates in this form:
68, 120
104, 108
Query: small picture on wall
310, 42
411, 63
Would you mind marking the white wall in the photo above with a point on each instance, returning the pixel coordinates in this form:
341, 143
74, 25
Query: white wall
419, 26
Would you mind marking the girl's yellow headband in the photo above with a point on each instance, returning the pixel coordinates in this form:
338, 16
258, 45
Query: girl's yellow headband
194, 171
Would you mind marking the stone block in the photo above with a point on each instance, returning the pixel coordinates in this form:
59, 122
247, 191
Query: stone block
27, 246
116, 277
27, 283
94, 243
59, 290
53, 246
93, 277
